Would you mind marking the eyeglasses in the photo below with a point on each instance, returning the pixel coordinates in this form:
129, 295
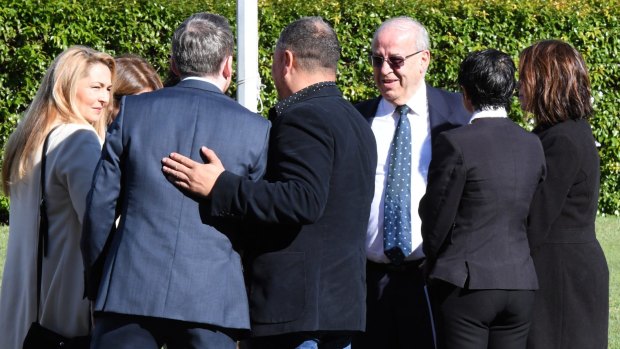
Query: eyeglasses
393, 61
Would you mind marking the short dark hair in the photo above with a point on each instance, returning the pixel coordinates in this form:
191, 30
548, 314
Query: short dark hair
488, 77
201, 43
314, 43
555, 83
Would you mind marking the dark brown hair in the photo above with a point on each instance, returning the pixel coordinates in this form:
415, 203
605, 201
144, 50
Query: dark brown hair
133, 75
554, 83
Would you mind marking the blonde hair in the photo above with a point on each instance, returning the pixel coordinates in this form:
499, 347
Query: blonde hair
54, 103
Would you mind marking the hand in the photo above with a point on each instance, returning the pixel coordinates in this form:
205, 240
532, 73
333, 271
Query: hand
190, 175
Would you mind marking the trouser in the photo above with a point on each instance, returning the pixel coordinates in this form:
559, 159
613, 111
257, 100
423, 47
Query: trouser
116, 331
480, 319
398, 312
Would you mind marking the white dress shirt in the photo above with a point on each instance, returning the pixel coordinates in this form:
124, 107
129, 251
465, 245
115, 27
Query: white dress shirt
384, 126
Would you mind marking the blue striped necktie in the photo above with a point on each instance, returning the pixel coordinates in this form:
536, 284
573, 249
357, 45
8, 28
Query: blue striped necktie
397, 205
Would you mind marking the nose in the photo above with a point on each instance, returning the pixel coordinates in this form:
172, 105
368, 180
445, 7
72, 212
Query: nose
104, 96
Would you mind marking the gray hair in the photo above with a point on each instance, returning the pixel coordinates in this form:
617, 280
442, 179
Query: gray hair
314, 43
201, 43
422, 40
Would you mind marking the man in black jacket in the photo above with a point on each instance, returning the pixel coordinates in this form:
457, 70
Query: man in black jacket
305, 262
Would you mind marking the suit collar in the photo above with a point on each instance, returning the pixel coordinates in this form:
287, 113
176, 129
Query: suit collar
438, 107
199, 84
319, 89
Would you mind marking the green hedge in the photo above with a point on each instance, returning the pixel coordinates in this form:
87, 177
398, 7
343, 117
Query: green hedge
33, 32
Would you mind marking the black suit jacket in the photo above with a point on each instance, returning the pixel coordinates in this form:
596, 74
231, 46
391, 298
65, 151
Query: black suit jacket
481, 181
306, 263
571, 266
445, 110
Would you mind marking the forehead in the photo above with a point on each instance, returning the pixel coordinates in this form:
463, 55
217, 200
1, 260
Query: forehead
98, 71
394, 39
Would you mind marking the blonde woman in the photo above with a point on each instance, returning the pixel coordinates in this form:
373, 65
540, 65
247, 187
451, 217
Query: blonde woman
72, 106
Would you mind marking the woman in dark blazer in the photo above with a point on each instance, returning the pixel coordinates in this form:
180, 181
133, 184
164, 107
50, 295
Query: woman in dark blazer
572, 305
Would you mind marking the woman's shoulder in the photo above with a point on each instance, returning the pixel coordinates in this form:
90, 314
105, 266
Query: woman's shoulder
75, 132
67, 129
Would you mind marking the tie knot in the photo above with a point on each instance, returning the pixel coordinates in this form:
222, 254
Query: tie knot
403, 109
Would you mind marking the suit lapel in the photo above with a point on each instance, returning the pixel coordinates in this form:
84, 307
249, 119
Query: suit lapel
368, 108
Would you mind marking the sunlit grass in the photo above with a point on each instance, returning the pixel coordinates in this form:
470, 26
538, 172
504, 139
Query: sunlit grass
608, 233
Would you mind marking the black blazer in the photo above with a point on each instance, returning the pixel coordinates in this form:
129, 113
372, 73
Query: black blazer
445, 110
571, 266
481, 181
306, 272
564, 209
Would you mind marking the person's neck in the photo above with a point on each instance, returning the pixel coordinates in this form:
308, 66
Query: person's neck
302, 80
219, 83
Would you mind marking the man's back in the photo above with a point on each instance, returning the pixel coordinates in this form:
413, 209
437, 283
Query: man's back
309, 276
168, 258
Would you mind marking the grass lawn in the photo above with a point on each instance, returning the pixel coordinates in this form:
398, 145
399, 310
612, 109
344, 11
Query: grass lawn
608, 232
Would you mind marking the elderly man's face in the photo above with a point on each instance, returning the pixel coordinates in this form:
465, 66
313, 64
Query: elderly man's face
398, 84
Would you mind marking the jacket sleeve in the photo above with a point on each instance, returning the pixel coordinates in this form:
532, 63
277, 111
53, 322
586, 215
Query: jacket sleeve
300, 165
78, 155
439, 205
563, 160
100, 213
260, 167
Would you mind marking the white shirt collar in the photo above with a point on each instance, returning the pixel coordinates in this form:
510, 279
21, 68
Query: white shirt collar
489, 113
417, 103
198, 78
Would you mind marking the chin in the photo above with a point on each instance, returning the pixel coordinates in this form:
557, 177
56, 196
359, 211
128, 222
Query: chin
92, 119
389, 96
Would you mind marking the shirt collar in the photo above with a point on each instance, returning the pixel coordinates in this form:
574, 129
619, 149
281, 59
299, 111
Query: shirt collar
417, 103
499, 112
301, 94
197, 78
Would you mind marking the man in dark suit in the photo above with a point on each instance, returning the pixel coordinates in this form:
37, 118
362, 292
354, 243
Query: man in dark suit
481, 181
305, 261
168, 274
398, 311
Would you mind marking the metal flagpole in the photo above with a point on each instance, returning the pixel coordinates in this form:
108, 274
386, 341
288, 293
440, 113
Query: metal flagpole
248, 80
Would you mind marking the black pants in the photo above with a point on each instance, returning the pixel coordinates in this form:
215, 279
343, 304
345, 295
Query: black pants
115, 331
398, 313
480, 319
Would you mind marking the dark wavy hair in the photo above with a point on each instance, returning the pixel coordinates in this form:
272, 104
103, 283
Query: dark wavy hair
554, 83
